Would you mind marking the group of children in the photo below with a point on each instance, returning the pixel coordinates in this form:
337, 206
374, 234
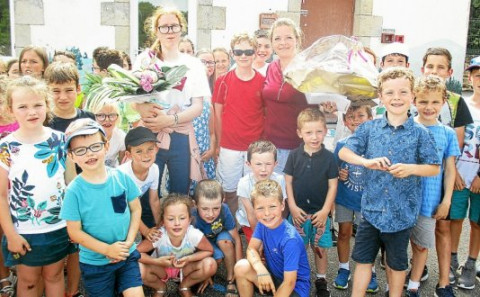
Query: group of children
403, 176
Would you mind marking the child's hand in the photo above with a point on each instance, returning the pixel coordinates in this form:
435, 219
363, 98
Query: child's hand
343, 174
442, 211
265, 283
165, 261
459, 182
207, 155
180, 263
298, 215
153, 234
319, 219
401, 170
118, 251
204, 285
18, 245
475, 187
381, 163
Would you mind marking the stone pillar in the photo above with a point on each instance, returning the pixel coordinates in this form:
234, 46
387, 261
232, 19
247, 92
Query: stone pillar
209, 18
365, 24
26, 13
117, 14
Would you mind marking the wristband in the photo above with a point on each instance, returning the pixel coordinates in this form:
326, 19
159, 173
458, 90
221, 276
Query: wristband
263, 274
175, 118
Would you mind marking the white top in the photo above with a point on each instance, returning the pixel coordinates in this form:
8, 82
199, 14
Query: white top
245, 187
195, 83
37, 182
150, 182
163, 246
468, 162
116, 145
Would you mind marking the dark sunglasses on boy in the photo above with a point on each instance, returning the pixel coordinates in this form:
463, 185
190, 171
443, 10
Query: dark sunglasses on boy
248, 52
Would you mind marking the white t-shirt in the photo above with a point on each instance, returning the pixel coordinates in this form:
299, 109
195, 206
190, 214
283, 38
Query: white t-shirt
468, 162
163, 246
116, 145
150, 182
37, 182
244, 189
195, 82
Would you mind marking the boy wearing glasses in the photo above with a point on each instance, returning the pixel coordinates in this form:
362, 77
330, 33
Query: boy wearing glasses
64, 82
239, 114
102, 211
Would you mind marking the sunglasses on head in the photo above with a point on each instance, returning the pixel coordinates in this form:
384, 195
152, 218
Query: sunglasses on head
248, 52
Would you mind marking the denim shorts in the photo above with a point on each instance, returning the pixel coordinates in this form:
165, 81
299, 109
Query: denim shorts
308, 232
107, 280
217, 252
47, 248
367, 244
461, 200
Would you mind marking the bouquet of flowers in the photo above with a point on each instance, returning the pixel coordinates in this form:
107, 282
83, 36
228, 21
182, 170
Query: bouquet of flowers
144, 86
334, 65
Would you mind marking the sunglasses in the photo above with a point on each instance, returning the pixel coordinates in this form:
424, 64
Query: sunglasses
248, 52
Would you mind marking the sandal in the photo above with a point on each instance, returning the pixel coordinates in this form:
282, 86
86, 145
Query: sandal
8, 290
231, 292
160, 293
184, 290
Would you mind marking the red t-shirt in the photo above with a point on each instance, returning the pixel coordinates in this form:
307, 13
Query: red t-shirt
283, 103
243, 110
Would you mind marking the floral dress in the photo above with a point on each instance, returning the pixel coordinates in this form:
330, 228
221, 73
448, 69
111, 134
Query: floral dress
36, 173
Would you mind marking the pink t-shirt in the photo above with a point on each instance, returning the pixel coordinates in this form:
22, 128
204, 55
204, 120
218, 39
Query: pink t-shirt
243, 113
7, 129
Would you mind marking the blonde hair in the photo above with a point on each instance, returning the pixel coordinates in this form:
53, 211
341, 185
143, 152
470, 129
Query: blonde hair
310, 115
266, 188
62, 73
289, 23
394, 73
430, 84
173, 199
151, 25
209, 189
260, 147
239, 37
107, 103
36, 86
6, 114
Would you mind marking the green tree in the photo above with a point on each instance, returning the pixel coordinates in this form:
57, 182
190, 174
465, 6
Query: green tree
145, 10
5, 41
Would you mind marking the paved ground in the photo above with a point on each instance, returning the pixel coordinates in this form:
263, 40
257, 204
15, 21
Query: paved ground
427, 288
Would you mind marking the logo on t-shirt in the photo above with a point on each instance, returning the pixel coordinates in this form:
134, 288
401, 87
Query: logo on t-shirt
355, 177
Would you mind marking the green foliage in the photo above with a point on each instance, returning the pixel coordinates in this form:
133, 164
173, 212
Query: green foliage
454, 85
145, 10
5, 40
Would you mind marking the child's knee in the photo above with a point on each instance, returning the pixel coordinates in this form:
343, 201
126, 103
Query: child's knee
242, 267
53, 276
419, 248
225, 245
209, 266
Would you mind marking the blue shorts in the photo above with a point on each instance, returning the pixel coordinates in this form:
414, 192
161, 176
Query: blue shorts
367, 244
47, 248
308, 232
107, 280
461, 200
217, 252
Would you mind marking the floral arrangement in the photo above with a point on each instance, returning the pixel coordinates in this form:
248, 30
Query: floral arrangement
143, 86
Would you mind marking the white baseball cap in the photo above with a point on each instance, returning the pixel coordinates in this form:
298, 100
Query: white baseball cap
395, 48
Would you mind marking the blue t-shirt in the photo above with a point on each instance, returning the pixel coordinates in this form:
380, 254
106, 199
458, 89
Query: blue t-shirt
224, 221
392, 204
447, 145
349, 192
102, 210
284, 251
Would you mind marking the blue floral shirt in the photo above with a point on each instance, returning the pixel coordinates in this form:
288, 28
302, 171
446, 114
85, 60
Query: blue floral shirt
392, 204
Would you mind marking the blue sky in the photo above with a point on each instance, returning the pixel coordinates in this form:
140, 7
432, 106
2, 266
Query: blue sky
180, 4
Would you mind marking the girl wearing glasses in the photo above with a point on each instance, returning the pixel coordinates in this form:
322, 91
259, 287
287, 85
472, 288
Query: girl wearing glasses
178, 146
107, 116
33, 177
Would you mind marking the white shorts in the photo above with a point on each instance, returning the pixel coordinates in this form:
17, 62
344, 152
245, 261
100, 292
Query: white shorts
423, 233
231, 167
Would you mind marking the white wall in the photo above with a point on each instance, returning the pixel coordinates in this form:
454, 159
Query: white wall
427, 23
73, 23
243, 16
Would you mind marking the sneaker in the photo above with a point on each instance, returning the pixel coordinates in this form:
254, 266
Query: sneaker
478, 268
453, 271
342, 279
412, 293
424, 274
444, 292
321, 286
467, 277
373, 285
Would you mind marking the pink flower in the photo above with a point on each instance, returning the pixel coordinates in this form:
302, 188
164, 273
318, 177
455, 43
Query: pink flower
146, 83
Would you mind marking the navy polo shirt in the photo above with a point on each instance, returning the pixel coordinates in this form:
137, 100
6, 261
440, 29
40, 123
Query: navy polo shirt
310, 177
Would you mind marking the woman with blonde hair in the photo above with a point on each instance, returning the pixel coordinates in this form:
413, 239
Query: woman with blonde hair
178, 147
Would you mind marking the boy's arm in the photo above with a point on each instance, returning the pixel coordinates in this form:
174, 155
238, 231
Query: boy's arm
135, 215
298, 215
319, 219
154, 204
264, 279
252, 220
401, 170
349, 156
117, 251
218, 108
288, 284
238, 244
448, 183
